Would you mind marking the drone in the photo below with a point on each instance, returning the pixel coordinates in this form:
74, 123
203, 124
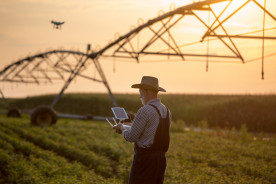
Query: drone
57, 24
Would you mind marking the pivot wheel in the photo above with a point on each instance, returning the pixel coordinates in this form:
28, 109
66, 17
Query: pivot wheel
43, 115
14, 113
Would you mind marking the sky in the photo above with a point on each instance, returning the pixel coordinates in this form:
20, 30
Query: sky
26, 30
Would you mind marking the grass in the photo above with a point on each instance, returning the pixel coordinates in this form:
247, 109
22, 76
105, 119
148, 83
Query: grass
74, 151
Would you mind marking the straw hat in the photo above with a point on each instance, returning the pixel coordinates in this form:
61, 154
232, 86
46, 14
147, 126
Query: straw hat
149, 82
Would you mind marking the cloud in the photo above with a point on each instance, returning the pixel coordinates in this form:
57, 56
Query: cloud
32, 7
241, 25
5, 38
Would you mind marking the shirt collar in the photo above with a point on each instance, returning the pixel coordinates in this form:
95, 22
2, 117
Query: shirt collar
153, 101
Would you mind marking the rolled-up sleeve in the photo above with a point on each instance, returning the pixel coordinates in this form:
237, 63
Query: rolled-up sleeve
137, 127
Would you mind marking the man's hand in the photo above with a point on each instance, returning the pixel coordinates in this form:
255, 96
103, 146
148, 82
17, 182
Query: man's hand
119, 128
127, 123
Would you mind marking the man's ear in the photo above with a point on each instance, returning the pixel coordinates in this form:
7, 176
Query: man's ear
146, 92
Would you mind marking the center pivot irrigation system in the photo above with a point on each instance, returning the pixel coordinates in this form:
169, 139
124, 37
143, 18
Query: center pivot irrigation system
142, 41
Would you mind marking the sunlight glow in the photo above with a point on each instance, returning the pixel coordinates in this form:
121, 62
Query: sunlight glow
27, 30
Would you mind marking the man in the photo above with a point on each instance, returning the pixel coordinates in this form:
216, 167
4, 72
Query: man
150, 133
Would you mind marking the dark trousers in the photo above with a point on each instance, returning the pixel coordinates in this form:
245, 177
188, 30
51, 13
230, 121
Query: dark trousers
148, 168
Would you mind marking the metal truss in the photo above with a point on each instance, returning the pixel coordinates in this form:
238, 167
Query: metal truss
51, 66
156, 37
124, 47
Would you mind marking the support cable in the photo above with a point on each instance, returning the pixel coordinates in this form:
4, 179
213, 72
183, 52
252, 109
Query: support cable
263, 41
114, 62
172, 7
109, 58
140, 22
207, 58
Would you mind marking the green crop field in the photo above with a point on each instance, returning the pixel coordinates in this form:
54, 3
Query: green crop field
74, 151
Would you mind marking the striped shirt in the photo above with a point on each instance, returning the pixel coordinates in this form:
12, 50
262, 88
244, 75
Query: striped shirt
145, 124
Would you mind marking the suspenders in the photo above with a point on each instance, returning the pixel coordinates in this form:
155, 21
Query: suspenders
159, 111
161, 138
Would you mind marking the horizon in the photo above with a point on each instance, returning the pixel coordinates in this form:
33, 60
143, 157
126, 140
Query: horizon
159, 94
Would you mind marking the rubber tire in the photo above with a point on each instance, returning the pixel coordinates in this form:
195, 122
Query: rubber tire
43, 115
14, 113
89, 117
